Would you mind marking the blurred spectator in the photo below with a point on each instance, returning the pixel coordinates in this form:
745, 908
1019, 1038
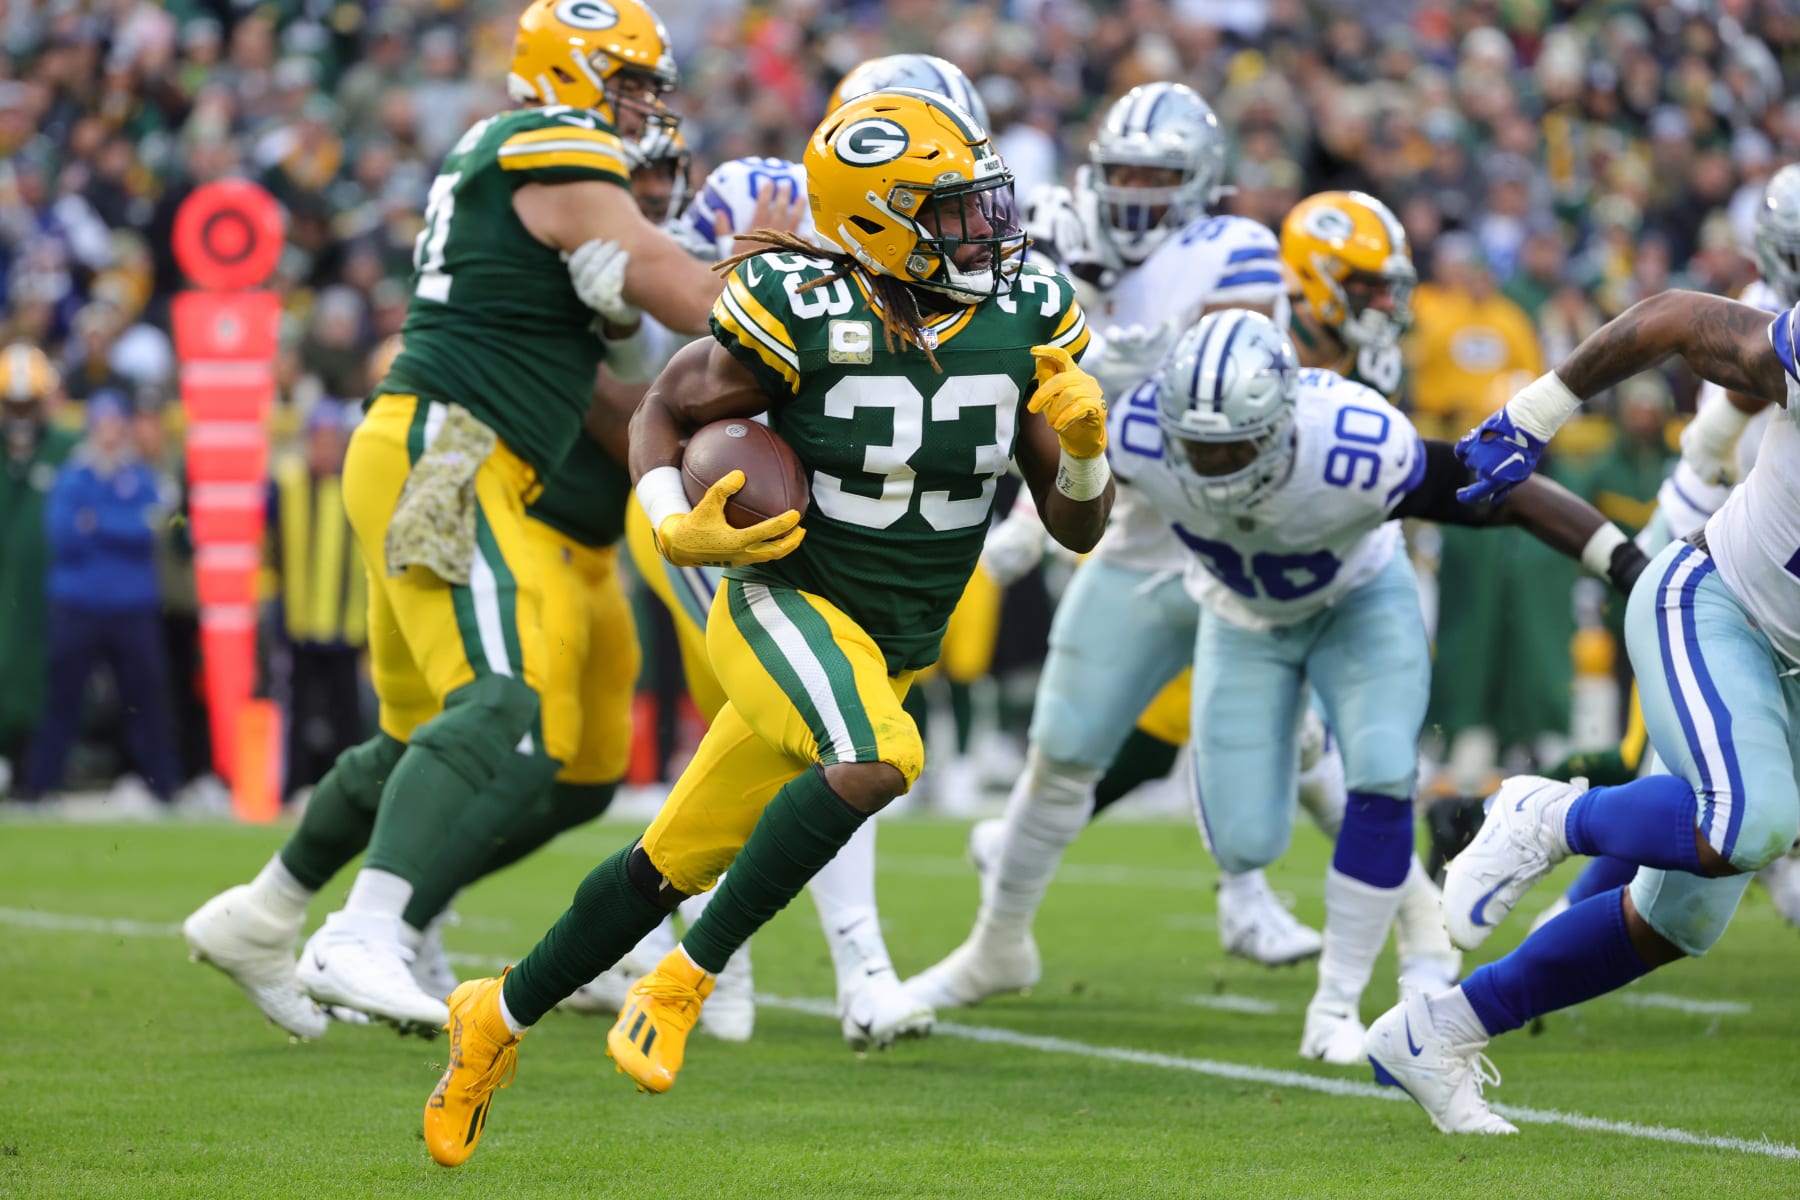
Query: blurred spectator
104, 602
35, 450
1465, 336
321, 594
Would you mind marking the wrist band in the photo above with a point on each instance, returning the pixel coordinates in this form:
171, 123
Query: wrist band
1597, 555
1082, 479
663, 495
1542, 406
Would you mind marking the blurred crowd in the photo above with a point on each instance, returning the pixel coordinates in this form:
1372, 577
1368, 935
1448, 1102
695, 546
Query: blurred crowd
1553, 161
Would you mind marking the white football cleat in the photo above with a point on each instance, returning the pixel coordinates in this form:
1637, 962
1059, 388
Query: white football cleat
1254, 925
1333, 1033
877, 1011
430, 966
1429, 963
357, 960
729, 1014
604, 994
1782, 878
984, 847
255, 949
988, 964
1515, 848
1445, 1079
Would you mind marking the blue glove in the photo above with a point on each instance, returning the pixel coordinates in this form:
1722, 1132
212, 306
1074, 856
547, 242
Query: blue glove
1502, 456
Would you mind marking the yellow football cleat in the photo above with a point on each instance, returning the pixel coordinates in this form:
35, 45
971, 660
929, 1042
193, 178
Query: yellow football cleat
651, 1036
483, 1056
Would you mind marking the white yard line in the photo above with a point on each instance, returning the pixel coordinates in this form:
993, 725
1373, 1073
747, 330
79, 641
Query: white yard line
1240, 1072
1711, 1008
1235, 1004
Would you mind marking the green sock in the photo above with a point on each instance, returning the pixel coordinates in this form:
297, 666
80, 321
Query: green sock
1141, 759
443, 773
570, 805
962, 711
507, 808
1601, 768
803, 828
606, 919
341, 812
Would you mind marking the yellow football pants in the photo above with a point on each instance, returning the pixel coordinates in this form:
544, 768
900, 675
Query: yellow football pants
968, 650
428, 638
592, 654
1165, 718
687, 592
804, 684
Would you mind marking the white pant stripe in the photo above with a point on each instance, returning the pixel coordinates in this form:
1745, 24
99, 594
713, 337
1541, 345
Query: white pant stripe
792, 644
1685, 688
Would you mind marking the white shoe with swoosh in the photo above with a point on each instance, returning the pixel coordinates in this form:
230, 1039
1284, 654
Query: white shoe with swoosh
1444, 1078
1519, 842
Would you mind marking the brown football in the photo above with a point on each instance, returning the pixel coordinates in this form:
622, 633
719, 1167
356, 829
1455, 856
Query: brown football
774, 480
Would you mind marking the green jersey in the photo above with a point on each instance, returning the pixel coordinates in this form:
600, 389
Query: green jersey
585, 497
1379, 367
494, 324
902, 460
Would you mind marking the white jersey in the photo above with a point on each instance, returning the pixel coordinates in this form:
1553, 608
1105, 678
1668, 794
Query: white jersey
1214, 261
1755, 537
1305, 542
722, 209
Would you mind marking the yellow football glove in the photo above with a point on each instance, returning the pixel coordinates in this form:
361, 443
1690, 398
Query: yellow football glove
1071, 401
704, 538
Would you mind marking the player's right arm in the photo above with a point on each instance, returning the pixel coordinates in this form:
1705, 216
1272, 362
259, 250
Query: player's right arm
660, 277
1731, 344
703, 383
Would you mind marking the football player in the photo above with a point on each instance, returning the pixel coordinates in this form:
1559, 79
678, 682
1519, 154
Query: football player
1713, 634
905, 361
1283, 484
530, 232
1134, 231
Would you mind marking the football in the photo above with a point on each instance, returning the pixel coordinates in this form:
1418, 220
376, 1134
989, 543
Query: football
774, 480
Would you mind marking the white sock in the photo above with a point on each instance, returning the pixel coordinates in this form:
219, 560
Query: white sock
380, 892
1422, 903
513, 1024
276, 889
1322, 792
844, 894
1049, 805
1240, 889
1357, 916
1454, 1017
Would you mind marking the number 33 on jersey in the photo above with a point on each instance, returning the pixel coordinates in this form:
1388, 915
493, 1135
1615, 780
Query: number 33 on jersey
903, 460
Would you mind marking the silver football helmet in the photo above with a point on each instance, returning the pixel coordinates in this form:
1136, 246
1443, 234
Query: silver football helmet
660, 144
1225, 401
926, 72
1778, 233
1164, 126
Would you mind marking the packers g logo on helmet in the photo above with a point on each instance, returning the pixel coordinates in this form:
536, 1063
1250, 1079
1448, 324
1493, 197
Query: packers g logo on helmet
871, 142
1329, 224
587, 14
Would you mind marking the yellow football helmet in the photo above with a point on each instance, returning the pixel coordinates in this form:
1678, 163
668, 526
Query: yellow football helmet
602, 55
927, 72
1348, 251
904, 181
26, 376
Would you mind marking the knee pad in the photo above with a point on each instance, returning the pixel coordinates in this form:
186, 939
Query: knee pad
651, 883
363, 770
1245, 845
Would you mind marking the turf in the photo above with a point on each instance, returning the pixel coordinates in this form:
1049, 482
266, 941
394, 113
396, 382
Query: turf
128, 1072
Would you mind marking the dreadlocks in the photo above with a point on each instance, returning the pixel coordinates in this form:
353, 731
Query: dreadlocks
900, 315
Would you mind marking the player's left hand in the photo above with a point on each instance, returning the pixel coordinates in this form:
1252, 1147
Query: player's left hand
1071, 401
1502, 456
597, 269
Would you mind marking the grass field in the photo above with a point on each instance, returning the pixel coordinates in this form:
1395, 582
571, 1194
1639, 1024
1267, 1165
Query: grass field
129, 1072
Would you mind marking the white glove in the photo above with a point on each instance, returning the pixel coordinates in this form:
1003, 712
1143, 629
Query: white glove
1014, 546
1129, 353
1686, 501
1709, 443
597, 269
